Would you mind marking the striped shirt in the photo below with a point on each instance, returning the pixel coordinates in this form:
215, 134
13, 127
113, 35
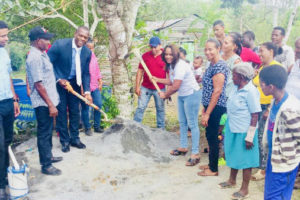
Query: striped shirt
284, 144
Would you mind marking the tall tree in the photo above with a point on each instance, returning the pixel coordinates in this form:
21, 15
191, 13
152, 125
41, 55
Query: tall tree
119, 17
45, 9
291, 20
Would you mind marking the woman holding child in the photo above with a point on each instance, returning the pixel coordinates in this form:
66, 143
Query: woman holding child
181, 79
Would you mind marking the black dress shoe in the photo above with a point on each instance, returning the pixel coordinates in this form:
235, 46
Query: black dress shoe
98, 130
65, 148
3, 195
78, 145
51, 171
56, 159
88, 132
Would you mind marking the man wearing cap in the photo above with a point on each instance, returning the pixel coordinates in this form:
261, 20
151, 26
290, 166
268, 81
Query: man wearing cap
71, 58
43, 95
9, 108
146, 89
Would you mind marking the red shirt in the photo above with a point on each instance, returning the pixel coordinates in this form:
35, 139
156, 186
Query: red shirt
248, 55
156, 67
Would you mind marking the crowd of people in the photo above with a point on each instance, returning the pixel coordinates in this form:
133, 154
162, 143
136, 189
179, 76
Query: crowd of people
68, 63
242, 84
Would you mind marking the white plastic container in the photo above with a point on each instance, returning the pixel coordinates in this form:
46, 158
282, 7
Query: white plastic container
17, 178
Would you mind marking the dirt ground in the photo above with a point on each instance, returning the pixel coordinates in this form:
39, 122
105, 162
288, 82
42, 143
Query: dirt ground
132, 164
104, 171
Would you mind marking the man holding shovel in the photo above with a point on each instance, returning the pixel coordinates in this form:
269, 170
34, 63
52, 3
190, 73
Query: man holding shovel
43, 95
146, 89
71, 58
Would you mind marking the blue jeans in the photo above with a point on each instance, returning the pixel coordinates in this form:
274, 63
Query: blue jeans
143, 103
188, 110
97, 100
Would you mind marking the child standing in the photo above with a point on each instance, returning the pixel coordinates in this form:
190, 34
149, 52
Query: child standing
281, 135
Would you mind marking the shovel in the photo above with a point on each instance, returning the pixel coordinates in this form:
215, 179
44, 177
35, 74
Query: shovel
71, 90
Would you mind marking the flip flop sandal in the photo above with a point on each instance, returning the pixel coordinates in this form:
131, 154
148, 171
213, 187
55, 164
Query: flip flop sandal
225, 185
192, 162
204, 173
176, 152
239, 196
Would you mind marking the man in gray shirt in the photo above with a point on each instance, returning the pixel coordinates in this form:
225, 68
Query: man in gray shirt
44, 96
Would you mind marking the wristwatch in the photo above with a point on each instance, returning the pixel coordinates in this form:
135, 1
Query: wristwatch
16, 100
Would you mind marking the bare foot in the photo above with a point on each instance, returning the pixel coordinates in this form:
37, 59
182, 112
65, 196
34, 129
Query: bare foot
203, 167
194, 156
182, 149
207, 172
244, 192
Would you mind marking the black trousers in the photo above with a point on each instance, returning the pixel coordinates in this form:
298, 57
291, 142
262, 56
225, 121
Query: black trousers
6, 136
212, 136
68, 103
44, 135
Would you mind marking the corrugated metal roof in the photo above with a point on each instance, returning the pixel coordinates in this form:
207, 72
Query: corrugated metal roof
183, 24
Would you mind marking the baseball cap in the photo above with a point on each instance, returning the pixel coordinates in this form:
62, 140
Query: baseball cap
38, 32
154, 41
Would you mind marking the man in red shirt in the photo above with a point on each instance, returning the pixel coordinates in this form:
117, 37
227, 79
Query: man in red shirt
145, 90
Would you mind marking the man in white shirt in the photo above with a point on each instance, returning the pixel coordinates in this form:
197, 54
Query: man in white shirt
287, 57
9, 108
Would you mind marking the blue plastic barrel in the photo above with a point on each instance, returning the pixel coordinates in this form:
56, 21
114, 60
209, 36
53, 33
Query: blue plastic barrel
27, 112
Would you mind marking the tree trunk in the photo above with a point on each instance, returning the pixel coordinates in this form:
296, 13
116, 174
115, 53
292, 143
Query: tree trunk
275, 16
275, 12
241, 23
85, 8
291, 20
119, 18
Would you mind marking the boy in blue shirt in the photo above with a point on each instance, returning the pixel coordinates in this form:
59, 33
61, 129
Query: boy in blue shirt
281, 135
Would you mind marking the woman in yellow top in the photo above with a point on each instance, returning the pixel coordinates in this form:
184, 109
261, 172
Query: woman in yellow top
267, 52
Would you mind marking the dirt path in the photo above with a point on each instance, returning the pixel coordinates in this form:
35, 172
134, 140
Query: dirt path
112, 167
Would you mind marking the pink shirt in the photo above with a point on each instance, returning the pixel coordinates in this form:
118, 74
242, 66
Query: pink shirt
94, 73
